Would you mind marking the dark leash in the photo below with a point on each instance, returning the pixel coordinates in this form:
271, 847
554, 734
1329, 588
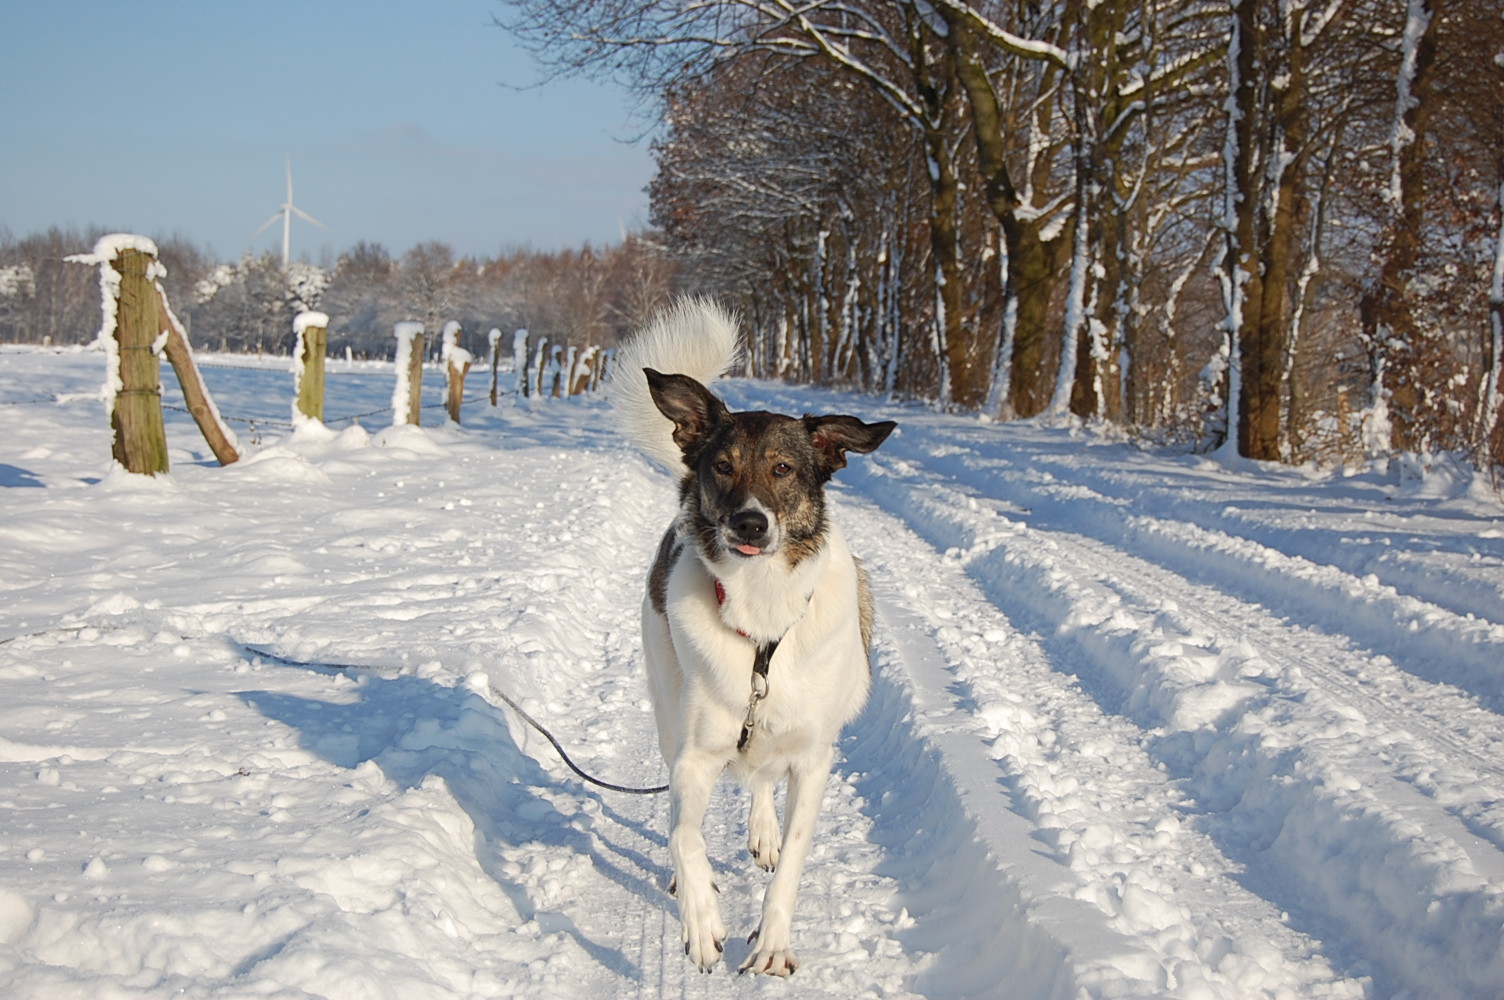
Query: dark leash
655, 790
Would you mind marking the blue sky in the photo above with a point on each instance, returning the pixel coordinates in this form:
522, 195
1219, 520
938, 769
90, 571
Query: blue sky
404, 122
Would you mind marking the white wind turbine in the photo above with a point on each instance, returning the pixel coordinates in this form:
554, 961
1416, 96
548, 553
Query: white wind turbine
285, 213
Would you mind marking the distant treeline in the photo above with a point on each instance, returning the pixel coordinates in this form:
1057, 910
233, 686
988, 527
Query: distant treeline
586, 297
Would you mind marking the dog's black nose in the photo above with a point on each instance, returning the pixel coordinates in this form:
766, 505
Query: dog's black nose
749, 526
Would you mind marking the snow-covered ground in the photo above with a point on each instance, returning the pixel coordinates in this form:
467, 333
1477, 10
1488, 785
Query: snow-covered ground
1143, 725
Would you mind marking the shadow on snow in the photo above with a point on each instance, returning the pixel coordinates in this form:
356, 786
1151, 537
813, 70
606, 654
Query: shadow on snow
413, 728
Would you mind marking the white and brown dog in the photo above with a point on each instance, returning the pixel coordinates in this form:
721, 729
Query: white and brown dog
757, 621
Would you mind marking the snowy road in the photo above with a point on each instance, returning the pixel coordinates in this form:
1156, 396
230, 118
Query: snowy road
1142, 725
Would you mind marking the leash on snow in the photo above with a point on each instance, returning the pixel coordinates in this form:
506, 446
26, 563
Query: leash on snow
506, 698
564, 756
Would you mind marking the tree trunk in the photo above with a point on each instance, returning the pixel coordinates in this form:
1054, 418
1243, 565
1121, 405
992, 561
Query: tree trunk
963, 378
1242, 294
1034, 267
1033, 264
1491, 412
1390, 331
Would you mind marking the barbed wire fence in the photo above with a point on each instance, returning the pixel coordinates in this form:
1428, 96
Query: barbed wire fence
257, 424
140, 329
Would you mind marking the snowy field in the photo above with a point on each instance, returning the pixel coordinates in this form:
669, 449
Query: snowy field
1143, 725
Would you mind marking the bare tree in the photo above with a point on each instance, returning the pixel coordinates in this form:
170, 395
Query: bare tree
430, 280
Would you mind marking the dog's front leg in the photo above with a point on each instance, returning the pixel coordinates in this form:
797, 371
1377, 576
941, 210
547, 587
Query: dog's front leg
764, 839
691, 780
774, 953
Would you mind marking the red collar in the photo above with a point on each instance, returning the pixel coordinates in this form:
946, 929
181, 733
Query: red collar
720, 598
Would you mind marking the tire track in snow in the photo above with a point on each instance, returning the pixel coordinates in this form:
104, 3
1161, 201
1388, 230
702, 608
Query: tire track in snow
1362, 527
1274, 742
1043, 847
565, 637
1420, 631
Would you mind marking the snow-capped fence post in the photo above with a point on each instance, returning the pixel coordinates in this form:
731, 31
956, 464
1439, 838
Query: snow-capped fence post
312, 330
555, 374
407, 395
519, 363
495, 338
586, 369
568, 371
457, 363
136, 418
540, 364
138, 326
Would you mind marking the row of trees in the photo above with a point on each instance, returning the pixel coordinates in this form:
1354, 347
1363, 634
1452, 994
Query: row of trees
583, 298
1274, 223
1270, 223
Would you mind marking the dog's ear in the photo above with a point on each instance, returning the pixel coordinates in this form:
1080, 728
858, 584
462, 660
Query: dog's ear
691, 406
833, 436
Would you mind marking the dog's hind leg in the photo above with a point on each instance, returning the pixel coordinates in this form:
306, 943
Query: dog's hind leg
764, 839
774, 953
690, 783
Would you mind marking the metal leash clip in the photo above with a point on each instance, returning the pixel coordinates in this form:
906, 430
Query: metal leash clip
760, 664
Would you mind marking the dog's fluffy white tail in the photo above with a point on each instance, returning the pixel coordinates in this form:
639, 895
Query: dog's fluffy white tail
693, 337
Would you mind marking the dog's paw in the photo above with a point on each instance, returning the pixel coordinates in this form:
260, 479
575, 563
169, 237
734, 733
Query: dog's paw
764, 843
769, 958
703, 932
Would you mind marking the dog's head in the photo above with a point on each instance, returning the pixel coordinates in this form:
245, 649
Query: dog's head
756, 480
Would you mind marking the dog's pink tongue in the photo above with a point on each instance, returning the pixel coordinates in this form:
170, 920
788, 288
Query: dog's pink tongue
749, 550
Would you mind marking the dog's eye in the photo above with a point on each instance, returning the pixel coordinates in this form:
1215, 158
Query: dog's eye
782, 469
723, 467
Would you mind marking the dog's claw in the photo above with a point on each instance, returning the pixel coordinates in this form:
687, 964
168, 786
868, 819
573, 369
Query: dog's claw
771, 965
769, 960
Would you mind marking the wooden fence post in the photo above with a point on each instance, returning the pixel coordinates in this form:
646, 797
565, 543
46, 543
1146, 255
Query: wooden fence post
196, 398
540, 366
136, 417
495, 338
519, 363
457, 363
138, 325
407, 397
585, 369
555, 372
312, 329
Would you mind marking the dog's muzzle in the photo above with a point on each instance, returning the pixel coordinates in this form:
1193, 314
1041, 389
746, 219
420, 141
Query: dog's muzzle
747, 531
